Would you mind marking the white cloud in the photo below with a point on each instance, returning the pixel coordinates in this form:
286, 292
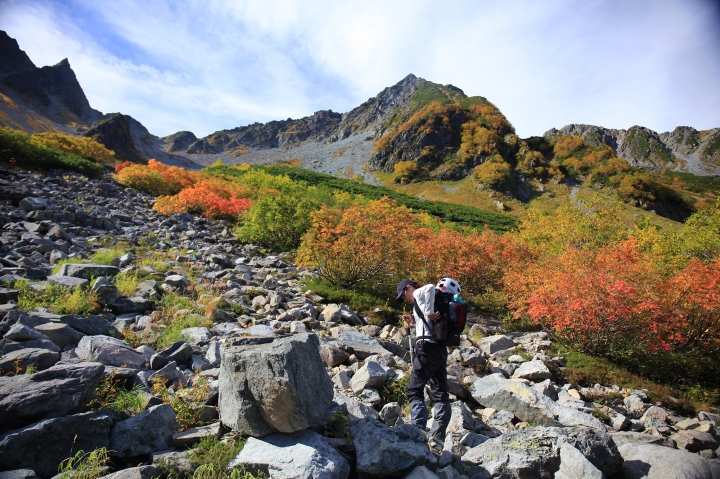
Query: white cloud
209, 65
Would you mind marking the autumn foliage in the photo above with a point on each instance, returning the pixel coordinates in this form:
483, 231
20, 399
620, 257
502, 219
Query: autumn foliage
82, 146
182, 191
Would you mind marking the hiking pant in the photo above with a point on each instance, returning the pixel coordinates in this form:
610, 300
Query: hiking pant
430, 367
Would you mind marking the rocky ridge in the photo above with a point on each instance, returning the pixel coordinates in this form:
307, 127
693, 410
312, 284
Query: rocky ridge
281, 365
683, 149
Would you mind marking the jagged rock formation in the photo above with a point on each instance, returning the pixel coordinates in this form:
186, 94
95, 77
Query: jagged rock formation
683, 149
115, 133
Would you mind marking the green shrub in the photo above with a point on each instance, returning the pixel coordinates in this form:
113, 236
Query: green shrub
19, 149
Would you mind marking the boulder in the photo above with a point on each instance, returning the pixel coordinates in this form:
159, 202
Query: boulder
90, 325
355, 410
461, 419
21, 359
628, 437
574, 465
332, 355
421, 472
107, 293
110, 351
57, 391
68, 281
87, 271
389, 451
359, 344
60, 334
44, 445
33, 204
532, 371
390, 413
527, 404
536, 451
370, 375
195, 435
468, 357
300, 455
694, 441
280, 386
650, 461
140, 472
135, 304
147, 432
493, 344
179, 351
18, 474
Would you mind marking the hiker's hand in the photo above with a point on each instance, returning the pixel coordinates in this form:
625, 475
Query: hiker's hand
434, 316
408, 318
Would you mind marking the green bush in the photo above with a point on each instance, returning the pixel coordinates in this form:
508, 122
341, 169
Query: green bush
18, 148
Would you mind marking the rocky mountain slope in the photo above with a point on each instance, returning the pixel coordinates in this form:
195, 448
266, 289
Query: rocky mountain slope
306, 381
683, 149
399, 124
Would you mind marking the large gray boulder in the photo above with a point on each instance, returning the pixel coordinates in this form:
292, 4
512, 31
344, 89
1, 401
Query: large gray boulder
87, 271
370, 375
58, 391
535, 452
140, 472
60, 334
110, 351
694, 441
147, 432
40, 359
574, 465
389, 451
360, 344
532, 371
44, 445
300, 455
527, 404
332, 355
650, 461
493, 344
280, 386
179, 351
355, 410
626, 437
90, 325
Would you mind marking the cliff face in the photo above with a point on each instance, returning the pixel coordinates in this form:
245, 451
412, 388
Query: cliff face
12, 59
116, 134
683, 149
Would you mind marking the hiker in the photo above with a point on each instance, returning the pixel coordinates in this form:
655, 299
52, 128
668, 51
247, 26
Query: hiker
429, 361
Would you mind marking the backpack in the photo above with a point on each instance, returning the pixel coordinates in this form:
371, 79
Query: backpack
453, 315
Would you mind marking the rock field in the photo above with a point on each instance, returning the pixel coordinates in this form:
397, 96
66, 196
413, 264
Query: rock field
280, 363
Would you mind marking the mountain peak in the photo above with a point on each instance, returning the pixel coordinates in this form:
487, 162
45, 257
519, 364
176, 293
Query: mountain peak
12, 59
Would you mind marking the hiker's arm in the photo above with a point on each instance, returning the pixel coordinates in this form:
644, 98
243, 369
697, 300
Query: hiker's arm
427, 302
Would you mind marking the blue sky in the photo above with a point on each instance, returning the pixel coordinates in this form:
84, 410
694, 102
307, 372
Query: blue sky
209, 65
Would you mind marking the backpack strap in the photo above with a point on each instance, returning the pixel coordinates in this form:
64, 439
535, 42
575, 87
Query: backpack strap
422, 316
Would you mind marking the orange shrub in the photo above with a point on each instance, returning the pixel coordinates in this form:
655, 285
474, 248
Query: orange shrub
142, 178
214, 198
618, 303
178, 178
125, 164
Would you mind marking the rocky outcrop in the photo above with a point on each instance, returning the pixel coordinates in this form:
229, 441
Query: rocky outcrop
12, 59
683, 149
179, 141
116, 134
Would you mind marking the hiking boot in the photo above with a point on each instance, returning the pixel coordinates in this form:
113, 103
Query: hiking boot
436, 445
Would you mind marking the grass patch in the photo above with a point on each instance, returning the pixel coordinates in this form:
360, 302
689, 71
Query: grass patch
127, 283
56, 299
186, 402
107, 256
173, 329
358, 301
395, 390
339, 428
111, 395
85, 465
